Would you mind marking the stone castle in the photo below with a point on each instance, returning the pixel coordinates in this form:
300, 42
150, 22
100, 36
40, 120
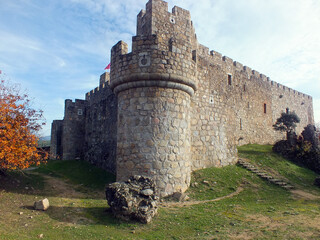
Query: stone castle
170, 106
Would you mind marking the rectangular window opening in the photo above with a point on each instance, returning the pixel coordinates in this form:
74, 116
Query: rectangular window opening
194, 55
229, 79
265, 108
240, 124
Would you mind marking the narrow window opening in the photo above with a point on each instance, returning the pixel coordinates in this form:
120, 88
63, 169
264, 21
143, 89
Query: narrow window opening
229, 79
287, 110
244, 87
80, 112
240, 124
265, 108
194, 55
211, 100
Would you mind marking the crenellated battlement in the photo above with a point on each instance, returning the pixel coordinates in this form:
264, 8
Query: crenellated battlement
103, 88
217, 58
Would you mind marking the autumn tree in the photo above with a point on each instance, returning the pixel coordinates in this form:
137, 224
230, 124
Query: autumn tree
19, 124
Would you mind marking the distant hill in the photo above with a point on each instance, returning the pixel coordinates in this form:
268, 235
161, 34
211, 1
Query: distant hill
45, 138
44, 141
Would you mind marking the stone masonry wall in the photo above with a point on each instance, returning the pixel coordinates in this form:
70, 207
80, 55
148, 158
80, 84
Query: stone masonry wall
73, 129
154, 136
56, 137
101, 126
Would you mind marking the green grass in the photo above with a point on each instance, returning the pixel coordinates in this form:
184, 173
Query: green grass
78, 172
260, 211
263, 157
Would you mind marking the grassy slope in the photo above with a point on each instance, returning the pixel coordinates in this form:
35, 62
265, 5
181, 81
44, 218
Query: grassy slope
260, 211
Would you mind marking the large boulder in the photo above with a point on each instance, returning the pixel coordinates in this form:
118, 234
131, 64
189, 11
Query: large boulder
134, 199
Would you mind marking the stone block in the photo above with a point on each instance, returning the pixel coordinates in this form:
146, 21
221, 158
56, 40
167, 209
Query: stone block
42, 204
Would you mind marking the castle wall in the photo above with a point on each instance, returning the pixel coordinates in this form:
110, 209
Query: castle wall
56, 139
101, 126
74, 129
170, 106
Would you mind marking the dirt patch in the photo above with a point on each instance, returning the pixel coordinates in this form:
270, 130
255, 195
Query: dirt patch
297, 193
190, 203
61, 188
286, 224
246, 235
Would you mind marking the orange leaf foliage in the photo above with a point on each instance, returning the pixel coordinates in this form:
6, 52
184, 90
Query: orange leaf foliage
18, 126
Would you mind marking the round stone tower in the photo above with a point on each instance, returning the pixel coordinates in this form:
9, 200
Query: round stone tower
154, 84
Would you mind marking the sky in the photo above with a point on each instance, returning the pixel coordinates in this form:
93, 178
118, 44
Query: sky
57, 49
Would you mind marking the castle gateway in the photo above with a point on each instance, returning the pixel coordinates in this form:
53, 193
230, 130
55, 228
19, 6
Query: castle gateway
170, 106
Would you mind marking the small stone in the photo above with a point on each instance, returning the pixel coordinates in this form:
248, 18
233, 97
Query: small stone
20, 213
42, 204
206, 182
26, 225
147, 192
195, 184
41, 235
31, 217
26, 188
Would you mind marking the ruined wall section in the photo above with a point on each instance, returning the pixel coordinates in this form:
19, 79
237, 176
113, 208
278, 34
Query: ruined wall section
74, 129
56, 139
101, 126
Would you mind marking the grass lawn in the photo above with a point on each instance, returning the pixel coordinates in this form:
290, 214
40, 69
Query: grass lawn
77, 210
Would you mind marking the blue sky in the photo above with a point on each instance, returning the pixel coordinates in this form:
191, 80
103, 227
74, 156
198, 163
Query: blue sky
57, 49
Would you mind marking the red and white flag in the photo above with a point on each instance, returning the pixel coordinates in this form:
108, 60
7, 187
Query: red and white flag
107, 67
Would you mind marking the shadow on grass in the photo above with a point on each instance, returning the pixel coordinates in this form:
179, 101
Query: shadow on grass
34, 183
82, 215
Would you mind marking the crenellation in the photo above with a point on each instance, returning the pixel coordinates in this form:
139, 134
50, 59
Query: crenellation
239, 66
217, 56
248, 70
264, 78
170, 106
203, 50
255, 73
227, 60
182, 12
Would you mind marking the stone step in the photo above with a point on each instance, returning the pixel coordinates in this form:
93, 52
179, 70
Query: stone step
267, 177
264, 175
288, 187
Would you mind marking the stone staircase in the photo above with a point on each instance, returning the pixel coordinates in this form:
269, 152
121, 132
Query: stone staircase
264, 175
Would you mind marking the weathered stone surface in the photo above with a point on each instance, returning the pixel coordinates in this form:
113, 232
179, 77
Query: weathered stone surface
42, 204
134, 199
179, 196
